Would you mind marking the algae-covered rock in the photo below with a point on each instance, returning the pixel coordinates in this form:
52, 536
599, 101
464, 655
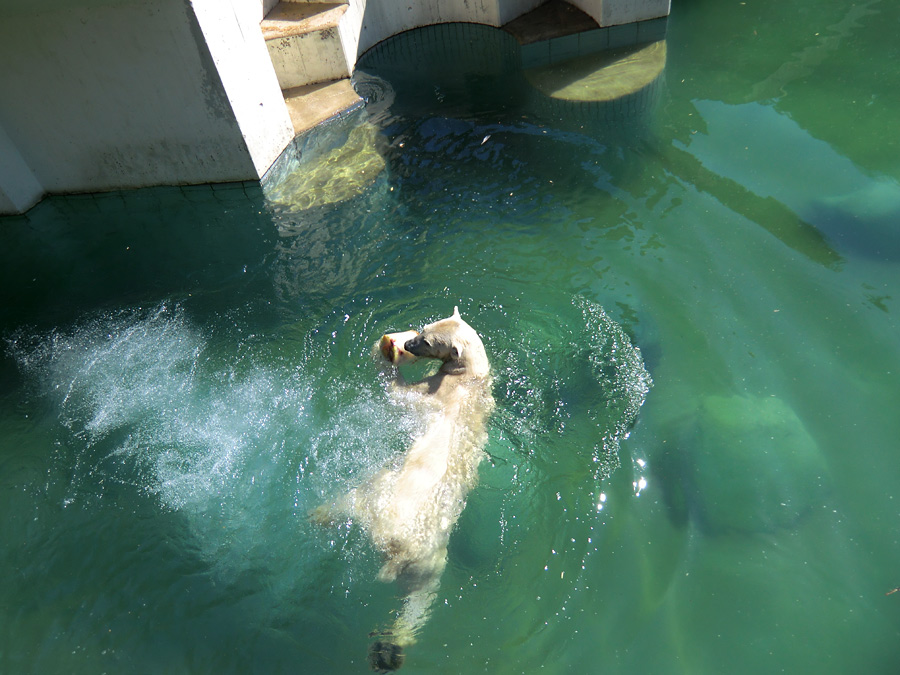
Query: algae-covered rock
336, 176
747, 464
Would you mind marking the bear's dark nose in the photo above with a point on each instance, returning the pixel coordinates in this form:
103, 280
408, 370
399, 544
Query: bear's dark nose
415, 346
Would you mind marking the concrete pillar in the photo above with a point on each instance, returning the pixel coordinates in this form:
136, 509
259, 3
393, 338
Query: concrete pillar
232, 35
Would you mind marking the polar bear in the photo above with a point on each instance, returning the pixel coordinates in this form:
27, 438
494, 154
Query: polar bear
409, 511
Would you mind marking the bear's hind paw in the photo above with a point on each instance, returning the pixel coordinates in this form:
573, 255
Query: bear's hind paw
385, 657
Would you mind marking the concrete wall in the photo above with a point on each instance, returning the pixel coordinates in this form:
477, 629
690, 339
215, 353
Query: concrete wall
98, 95
617, 12
19, 189
267, 6
233, 37
368, 22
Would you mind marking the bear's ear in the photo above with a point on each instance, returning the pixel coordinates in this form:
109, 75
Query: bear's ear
455, 313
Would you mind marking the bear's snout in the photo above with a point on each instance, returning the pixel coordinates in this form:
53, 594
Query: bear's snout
416, 346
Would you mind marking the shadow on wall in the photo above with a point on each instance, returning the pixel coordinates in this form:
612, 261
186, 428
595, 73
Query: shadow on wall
471, 69
369, 22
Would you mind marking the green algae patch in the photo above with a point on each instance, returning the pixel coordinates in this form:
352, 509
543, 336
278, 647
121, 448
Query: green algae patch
336, 176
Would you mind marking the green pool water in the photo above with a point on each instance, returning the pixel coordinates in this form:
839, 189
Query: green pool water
690, 303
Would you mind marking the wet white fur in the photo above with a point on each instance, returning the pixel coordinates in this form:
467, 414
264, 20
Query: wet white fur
410, 511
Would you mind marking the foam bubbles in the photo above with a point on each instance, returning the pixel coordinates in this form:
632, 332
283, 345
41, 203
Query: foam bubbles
624, 381
142, 405
240, 440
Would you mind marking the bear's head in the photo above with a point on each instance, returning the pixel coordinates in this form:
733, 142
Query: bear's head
454, 342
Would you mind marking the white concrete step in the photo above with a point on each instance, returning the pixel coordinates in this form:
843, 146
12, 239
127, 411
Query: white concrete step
304, 43
312, 104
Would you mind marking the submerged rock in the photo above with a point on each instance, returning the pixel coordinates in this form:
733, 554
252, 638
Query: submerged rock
747, 464
336, 176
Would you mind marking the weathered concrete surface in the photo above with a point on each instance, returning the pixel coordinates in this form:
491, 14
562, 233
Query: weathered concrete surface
19, 189
231, 33
368, 22
303, 43
293, 18
618, 12
313, 104
98, 95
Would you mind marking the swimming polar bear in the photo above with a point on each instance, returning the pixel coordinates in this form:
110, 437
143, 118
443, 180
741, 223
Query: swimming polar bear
409, 512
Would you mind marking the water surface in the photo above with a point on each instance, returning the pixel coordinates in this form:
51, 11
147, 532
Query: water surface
187, 372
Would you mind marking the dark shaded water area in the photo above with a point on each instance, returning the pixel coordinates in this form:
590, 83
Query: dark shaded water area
186, 372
